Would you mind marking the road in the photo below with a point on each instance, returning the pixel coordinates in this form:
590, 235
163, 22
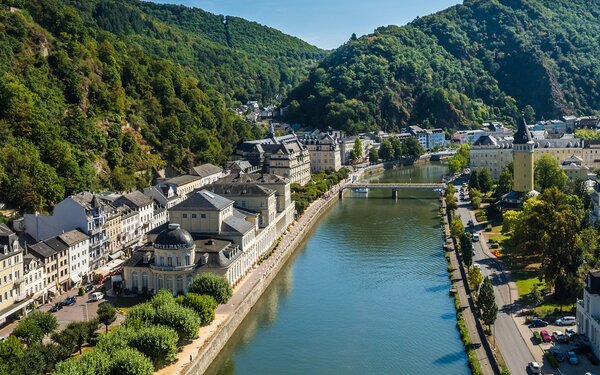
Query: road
511, 343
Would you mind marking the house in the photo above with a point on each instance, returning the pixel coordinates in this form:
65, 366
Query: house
63, 275
34, 279
163, 194
249, 197
48, 257
588, 311
143, 205
242, 166
281, 185
183, 185
11, 272
419, 133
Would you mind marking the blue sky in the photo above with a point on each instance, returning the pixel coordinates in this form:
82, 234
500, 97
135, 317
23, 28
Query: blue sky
324, 23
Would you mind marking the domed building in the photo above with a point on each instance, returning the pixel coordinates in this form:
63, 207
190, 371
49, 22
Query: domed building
175, 258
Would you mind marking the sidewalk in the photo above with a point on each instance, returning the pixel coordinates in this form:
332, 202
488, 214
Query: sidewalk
477, 341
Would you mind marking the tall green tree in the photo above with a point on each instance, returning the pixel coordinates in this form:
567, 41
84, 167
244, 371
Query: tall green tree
386, 151
209, 284
487, 303
485, 181
549, 174
413, 148
475, 278
474, 180
107, 314
456, 228
35, 327
505, 181
373, 156
466, 249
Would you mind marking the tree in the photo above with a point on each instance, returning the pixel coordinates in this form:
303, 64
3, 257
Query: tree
183, 320
413, 148
75, 335
358, 150
451, 203
158, 343
505, 181
373, 156
456, 228
210, 284
510, 220
143, 313
92, 362
203, 305
529, 114
475, 278
35, 326
549, 174
386, 150
485, 181
476, 202
106, 314
399, 148
487, 303
547, 231
474, 180
162, 297
353, 36
130, 362
460, 160
466, 249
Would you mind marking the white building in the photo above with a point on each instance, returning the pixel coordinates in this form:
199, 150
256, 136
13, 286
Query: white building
588, 311
141, 204
34, 276
209, 173
78, 244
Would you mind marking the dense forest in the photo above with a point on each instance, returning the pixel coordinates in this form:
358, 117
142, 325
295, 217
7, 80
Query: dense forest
99, 94
482, 60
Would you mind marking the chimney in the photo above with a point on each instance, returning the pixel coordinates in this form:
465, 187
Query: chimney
147, 257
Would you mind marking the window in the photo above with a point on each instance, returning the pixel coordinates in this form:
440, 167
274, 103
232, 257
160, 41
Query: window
187, 260
162, 261
179, 284
194, 216
178, 261
170, 283
134, 280
203, 216
169, 261
144, 281
184, 216
160, 283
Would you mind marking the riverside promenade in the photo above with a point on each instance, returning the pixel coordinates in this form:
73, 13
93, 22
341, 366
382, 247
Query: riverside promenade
196, 357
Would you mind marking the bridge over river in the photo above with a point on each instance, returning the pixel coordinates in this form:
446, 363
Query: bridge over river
394, 186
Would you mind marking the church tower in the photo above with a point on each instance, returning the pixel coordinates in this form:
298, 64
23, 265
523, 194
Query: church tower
523, 148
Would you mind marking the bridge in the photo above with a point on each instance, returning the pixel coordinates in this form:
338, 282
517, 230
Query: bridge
395, 186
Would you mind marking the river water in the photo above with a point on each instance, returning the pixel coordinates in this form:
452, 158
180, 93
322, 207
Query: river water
367, 293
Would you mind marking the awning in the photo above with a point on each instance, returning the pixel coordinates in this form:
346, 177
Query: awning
75, 279
110, 267
116, 255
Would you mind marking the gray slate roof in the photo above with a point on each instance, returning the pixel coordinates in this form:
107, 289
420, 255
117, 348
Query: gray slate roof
259, 178
239, 189
56, 244
41, 250
206, 170
522, 135
203, 200
183, 179
237, 224
73, 237
135, 199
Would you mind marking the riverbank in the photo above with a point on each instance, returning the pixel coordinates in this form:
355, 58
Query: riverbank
197, 356
477, 347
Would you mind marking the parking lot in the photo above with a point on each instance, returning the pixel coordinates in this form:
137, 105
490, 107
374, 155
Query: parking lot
564, 368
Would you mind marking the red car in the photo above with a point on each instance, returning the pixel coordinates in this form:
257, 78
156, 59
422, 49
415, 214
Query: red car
545, 336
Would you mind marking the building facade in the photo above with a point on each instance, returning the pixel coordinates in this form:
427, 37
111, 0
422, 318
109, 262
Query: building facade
11, 272
325, 152
588, 311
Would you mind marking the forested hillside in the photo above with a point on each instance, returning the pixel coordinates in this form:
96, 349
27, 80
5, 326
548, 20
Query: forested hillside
99, 95
482, 60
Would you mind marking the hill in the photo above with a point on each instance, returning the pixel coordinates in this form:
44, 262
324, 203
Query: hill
99, 94
482, 60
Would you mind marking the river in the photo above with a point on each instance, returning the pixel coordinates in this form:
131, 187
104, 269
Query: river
366, 293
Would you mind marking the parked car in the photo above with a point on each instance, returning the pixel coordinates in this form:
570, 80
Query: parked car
57, 306
69, 301
572, 358
558, 336
470, 223
570, 332
545, 336
96, 296
537, 322
565, 321
89, 287
475, 237
560, 356
534, 368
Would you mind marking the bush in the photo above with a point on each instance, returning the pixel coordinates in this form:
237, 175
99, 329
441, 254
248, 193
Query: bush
161, 298
141, 314
203, 305
158, 343
209, 284
93, 362
82, 291
130, 362
183, 320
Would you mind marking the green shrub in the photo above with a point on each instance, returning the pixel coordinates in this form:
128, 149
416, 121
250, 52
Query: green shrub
159, 343
203, 305
209, 284
129, 361
183, 320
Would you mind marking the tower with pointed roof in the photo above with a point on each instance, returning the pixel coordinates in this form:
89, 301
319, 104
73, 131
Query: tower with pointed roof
523, 160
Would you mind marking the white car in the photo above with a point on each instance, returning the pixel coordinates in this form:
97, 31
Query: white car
565, 321
534, 367
96, 296
475, 237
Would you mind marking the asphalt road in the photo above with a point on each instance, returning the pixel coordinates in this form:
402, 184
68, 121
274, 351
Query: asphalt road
510, 341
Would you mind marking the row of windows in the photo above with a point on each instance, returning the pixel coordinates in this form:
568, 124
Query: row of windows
10, 261
9, 277
177, 261
194, 216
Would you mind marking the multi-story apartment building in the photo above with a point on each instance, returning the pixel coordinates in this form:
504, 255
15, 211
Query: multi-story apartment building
84, 211
63, 273
113, 229
325, 152
143, 205
208, 172
249, 197
284, 156
78, 245
281, 185
588, 311
11, 272
48, 257
428, 138
34, 284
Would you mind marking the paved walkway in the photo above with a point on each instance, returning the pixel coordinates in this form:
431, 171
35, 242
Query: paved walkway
475, 335
288, 242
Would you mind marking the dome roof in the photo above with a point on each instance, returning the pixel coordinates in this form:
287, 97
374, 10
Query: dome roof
174, 238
